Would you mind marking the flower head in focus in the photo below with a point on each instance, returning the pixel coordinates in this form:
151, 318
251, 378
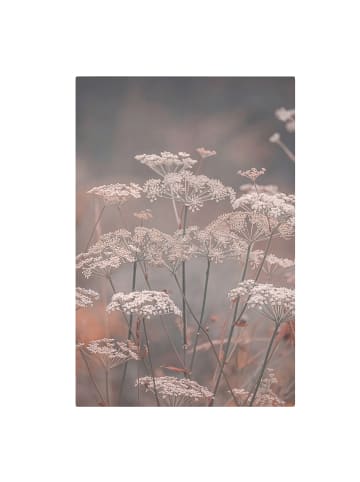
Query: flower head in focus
252, 173
116, 194
167, 162
176, 391
145, 304
112, 352
85, 298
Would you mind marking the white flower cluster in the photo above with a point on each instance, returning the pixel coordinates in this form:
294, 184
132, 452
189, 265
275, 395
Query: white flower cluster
161, 249
247, 226
272, 262
144, 215
267, 188
265, 397
112, 352
116, 194
85, 298
276, 303
176, 391
187, 188
252, 173
216, 244
204, 153
167, 162
288, 117
109, 253
144, 303
279, 208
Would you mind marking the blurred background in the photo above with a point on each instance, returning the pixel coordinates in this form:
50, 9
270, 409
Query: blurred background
120, 117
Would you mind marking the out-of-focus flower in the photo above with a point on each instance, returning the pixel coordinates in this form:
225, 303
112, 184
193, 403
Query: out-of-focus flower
284, 115
265, 397
144, 303
275, 137
112, 352
272, 263
116, 194
252, 173
204, 153
186, 188
267, 188
85, 298
275, 303
167, 162
106, 255
176, 391
144, 215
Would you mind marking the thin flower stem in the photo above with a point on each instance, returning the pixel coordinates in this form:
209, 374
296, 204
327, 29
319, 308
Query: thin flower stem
111, 283
184, 295
178, 221
286, 150
236, 320
90, 375
208, 337
263, 366
107, 373
172, 343
201, 315
94, 228
151, 365
133, 284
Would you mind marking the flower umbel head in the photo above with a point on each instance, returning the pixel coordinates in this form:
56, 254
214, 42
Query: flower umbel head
204, 153
277, 304
85, 298
166, 162
116, 194
144, 215
144, 303
112, 352
176, 391
252, 173
187, 188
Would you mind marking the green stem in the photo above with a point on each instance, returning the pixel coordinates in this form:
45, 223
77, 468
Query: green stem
263, 366
151, 365
201, 315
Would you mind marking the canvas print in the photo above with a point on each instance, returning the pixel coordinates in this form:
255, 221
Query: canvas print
185, 218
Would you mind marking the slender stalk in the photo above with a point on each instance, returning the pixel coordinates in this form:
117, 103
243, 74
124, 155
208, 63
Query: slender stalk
172, 343
90, 375
94, 228
286, 150
107, 373
207, 336
263, 366
151, 365
184, 295
133, 284
111, 283
192, 362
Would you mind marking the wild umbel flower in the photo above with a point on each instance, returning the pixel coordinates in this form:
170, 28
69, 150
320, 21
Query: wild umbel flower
161, 249
85, 298
144, 303
216, 244
112, 352
277, 304
187, 188
266, 188
265, 397
116, 194
247, 226
252, 173
278, 208
144, 215
167, 162
204, 153
176, 391
272, 263
106, 255
287, 116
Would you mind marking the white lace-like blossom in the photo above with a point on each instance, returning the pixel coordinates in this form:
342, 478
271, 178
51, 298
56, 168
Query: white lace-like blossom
204, 153
266, 188
278, 208
112, 352
187, 188
216, 244
144, 215
252, 173
247, 226
106, 255
272, 263
275, 303
161, 249
176, 391
167, 162
265, 397
85, 298
144, 303
116, 194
